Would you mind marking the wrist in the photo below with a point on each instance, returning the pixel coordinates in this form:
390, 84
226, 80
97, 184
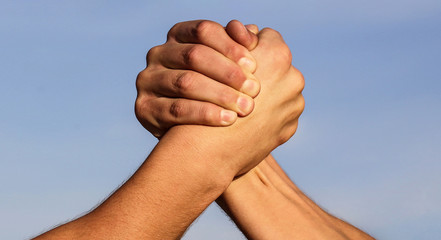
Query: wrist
207, 164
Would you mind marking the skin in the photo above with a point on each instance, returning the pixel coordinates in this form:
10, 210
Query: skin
187, 170
183, 174
283, 80
167, 91
265, 203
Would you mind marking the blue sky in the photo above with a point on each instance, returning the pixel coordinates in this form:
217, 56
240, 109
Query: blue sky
368, 148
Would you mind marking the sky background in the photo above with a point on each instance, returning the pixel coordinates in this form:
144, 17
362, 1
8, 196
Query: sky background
368, 147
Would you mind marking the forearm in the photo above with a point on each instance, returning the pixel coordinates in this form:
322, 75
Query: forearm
167, 193
266, 204
349, 230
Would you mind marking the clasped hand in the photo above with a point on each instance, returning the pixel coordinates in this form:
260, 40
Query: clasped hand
220, 100
236, 77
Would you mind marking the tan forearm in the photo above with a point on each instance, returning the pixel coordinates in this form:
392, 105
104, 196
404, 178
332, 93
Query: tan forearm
167, 193
266, 204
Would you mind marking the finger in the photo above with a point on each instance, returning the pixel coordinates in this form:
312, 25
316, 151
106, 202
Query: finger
237, 31
210, 63
193, 85
252, 28
213, 35
168, 112
144, 116
269, 34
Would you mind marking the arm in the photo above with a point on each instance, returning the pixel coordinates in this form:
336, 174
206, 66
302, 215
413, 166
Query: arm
164, 196
279, 99
180, 178
192, 165
266, 204
265, 196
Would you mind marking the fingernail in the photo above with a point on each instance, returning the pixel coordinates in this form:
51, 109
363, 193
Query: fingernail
248, 64
252, 28
245, 104
228, 117
250, 87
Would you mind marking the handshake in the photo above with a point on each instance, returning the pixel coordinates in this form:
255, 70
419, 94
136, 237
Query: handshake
235, 78
220, 99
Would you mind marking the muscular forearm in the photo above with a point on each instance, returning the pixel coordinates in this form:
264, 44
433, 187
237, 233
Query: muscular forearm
192, 165
349, 230
266, 204
189, 169
167, 193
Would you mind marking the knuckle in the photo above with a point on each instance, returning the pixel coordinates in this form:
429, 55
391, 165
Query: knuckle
298, 80
271, 31
142, 78
292, 129
177, 109
283, 55
171, 32
283, 138
141, 107
297, 108
236, 75
204, 29
152, 54
235, 51
138, 107
286, 53
279, 48
208, 114
287, 133
183, 83
277, 33
226, 97
192, 54
139, 80
150, 116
